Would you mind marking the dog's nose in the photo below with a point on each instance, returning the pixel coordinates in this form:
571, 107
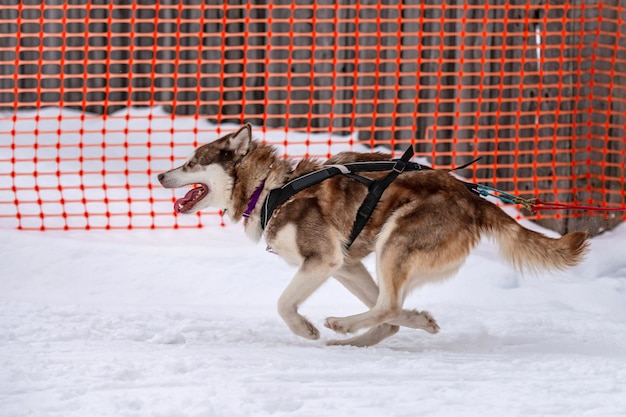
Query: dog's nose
161, 176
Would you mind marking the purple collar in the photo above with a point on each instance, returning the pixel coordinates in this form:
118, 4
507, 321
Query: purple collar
254, 199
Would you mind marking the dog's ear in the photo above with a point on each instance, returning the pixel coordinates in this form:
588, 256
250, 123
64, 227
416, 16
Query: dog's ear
239, 142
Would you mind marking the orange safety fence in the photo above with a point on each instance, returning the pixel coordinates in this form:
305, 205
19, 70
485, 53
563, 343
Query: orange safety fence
97, 97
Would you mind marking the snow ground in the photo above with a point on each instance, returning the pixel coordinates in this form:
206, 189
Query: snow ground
183, 323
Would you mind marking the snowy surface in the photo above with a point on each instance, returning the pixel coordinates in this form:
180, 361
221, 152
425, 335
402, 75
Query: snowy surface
183, 323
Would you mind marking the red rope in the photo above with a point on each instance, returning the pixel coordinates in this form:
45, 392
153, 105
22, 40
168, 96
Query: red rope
532, 204
541, 205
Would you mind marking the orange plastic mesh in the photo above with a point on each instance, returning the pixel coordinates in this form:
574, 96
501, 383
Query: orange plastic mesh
109, 93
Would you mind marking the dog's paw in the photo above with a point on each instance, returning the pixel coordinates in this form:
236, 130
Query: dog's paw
305, 329
428, 322
312, 332
336, 324
417, 320
300, 326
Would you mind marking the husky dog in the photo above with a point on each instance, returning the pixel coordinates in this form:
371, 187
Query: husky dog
421, 231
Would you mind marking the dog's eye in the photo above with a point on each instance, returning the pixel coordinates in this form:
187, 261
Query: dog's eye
226, 155
190, 165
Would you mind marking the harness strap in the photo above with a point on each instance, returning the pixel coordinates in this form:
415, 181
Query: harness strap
278, 196
467, 164
376, 190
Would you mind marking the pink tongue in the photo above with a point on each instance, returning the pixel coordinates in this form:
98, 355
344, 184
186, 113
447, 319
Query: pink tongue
183, 204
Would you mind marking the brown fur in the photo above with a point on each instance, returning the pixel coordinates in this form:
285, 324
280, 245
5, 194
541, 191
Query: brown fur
422, 229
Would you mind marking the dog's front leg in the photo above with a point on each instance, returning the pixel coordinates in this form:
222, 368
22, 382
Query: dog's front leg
310, 276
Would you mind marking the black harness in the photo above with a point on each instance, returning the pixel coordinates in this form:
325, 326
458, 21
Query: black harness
376, 188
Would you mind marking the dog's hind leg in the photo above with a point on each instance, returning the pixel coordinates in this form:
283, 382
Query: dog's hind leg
400, 264
403, 265
369, 338
397, 280
387, 308
357, 279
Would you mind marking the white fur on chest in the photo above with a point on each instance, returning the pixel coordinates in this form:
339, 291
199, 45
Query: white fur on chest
285, 245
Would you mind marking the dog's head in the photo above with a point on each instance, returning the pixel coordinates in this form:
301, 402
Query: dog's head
209, 167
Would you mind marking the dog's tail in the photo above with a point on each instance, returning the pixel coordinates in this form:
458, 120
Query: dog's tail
528, 250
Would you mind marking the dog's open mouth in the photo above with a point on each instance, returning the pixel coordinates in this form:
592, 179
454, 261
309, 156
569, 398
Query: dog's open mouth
185, 204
